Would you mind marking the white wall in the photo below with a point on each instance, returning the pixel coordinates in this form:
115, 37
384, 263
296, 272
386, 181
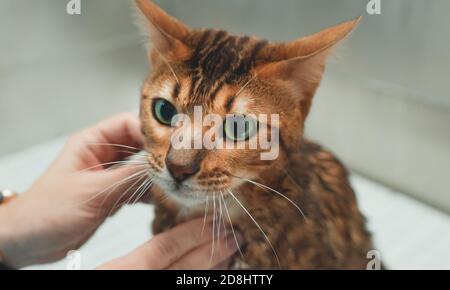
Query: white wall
59, 73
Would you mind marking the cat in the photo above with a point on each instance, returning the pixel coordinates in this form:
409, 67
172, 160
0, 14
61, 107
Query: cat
297, 211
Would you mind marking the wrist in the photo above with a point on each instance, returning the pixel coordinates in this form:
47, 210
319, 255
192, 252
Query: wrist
6, 234
10, 240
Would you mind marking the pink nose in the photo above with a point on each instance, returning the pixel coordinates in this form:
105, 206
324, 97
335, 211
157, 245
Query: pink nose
182, 164
181, 172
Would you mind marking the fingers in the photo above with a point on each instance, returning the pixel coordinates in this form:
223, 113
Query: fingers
207, 257
121, 129
125, 184
166, 248
94, 145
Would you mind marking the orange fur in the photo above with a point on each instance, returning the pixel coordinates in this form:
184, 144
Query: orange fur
214, 69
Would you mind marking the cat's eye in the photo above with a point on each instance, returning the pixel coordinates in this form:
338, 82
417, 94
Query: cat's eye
239, 128
164, 111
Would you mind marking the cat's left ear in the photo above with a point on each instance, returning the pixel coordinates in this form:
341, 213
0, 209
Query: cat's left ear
302, 61
167, 34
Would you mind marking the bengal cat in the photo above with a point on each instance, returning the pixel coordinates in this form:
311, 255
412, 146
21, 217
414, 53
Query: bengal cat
296, 211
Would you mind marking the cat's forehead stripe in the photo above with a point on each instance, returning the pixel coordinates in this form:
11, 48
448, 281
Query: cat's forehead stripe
219, 58
229, 103
176, 90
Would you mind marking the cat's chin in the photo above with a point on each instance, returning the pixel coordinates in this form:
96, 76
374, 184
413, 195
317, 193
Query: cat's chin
183, 195
186, 197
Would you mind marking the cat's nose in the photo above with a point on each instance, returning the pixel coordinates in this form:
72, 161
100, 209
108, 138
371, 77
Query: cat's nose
182, 164
180, 172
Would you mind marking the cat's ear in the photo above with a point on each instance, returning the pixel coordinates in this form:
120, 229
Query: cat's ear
302, 61
166, 33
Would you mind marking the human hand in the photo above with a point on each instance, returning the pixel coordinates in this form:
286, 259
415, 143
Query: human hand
65, 206
187, 246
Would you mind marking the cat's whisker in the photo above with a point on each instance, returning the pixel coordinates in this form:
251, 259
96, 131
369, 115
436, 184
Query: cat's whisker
273, 190
245, 85
167, 63
206, 214
137, 195
257, 225
134, 154
114, 185
219, 225
116, 145
291, 178
213, 231
150, 183
220, 222
144, 191
116, 204
115, 167
231, 225
223, 217
138, 190
122, 162
128, 200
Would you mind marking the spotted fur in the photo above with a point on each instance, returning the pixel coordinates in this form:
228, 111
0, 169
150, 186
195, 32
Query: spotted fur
225, 73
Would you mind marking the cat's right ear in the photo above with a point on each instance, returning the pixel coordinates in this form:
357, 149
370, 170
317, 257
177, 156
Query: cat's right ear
301, 62
166, 33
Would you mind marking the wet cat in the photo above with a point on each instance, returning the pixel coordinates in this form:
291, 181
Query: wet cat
295, 211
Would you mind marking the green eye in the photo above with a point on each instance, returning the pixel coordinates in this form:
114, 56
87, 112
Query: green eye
239, 128
164, 111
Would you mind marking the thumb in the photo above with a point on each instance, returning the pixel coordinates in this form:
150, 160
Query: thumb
166, 248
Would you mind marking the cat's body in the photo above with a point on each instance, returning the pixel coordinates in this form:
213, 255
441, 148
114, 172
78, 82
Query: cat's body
296, 211
330, 235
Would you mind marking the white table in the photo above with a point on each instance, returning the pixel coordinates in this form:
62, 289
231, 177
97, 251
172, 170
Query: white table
408, 234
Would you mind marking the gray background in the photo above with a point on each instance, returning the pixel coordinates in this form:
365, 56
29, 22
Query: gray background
384, 106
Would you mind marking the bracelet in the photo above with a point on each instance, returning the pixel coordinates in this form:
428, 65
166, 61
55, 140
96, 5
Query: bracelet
6, 195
